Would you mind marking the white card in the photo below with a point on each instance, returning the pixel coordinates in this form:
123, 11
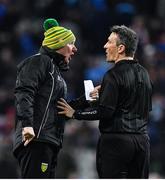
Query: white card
88, 85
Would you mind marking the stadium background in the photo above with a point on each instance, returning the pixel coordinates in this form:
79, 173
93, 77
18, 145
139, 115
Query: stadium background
21, 34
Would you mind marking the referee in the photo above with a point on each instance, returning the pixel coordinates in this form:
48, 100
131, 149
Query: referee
124, 103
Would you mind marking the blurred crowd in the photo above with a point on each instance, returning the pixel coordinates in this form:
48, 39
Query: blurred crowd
21, 34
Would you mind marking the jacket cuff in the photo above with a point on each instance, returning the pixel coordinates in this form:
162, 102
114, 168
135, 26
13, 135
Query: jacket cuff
77, 115
27, 123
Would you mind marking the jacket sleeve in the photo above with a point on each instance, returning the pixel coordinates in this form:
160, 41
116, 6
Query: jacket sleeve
29, 77
82, 103
79, 103
96, 113
89, 115
152, 92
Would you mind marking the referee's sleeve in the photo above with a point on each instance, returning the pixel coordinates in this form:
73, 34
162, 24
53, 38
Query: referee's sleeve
108, 97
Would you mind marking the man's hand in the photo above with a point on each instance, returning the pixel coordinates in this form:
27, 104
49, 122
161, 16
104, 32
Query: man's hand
27, 135
67, 110
95, 93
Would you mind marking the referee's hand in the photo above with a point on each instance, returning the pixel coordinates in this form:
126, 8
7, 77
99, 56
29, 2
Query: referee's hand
95, 93
27, 135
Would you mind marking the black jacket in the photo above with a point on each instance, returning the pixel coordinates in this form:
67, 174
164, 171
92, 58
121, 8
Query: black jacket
124, 100
39, 85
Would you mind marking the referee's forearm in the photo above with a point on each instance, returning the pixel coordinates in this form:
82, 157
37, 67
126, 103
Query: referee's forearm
86, 115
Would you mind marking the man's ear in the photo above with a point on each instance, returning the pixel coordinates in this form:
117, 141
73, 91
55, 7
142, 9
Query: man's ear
66, 47
121, 48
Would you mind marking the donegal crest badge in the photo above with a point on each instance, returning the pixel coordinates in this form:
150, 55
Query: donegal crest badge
44, 167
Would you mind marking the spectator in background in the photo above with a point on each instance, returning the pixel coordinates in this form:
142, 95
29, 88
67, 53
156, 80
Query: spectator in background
38, 128
123, 110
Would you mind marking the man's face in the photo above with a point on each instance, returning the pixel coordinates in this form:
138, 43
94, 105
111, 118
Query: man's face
111, 47
68, 52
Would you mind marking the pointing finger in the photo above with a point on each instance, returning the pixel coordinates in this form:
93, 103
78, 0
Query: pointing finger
26, 142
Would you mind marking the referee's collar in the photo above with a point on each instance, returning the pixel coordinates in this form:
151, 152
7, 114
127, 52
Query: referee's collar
126, 61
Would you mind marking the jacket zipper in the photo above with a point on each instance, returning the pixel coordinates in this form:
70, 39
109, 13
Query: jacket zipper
47, 106
47, 114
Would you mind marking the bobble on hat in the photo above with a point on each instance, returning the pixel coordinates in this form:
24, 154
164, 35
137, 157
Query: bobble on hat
56, 36
49, 23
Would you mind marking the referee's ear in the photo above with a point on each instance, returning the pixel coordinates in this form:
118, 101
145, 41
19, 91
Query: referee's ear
121, 49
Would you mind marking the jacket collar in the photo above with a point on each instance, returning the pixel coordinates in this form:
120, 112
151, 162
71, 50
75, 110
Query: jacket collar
58, 59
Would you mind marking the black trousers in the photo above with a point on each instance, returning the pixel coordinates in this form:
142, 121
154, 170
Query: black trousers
37, 160
123, 156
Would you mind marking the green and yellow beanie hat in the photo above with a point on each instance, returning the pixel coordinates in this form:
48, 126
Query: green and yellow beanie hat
56, 36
